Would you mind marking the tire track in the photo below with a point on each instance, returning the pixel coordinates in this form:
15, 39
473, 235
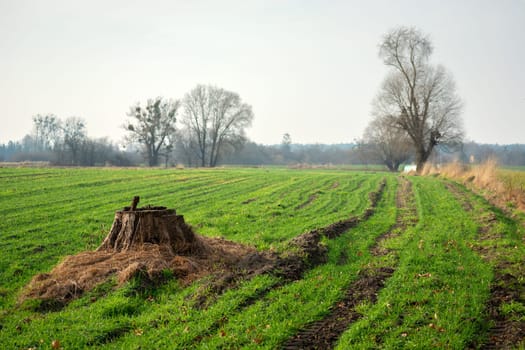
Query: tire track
323, 334
505, 332
304, 252
308, 253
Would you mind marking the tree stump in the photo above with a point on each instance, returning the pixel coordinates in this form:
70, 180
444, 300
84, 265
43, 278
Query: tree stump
134, 227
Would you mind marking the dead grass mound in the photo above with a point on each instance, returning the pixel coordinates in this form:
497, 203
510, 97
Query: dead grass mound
152, 263
151, 243
127, 252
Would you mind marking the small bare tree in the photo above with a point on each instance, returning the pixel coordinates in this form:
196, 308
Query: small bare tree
151, 125
74, 134
417, 97
46, 130
214, 117
391, 145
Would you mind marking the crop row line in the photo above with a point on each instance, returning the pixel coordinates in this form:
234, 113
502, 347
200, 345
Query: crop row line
505, 329
324, 333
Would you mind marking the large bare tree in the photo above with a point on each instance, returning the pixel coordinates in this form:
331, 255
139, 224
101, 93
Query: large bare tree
417, 97
151, 125
214, 117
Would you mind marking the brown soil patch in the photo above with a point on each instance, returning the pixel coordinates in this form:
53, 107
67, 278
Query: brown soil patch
505, 333
310, 199
249, 200
460, 197
338, 228
303, 252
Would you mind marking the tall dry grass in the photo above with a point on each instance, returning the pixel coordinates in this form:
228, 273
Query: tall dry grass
502, 187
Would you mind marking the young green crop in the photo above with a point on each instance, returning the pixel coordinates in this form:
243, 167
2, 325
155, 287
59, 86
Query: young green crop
64, 211
52, 213
437, 296
280, 313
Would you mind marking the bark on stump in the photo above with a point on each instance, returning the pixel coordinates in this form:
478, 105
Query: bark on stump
134, 227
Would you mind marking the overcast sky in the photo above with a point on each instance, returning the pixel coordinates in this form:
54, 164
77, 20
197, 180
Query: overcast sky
308, 68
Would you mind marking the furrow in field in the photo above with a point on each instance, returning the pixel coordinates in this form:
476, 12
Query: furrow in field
435, 295
324, 333
271, 303
506, 329
303, 252
321, 188
12, 176
341, 202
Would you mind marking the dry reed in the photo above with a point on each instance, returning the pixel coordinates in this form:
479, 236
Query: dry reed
485, 178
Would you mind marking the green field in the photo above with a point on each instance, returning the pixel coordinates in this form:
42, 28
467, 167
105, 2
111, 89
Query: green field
438, 267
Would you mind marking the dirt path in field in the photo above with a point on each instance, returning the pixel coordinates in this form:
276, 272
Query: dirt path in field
506, 288
324, 333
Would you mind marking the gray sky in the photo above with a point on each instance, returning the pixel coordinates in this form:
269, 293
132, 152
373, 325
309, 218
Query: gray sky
308, 68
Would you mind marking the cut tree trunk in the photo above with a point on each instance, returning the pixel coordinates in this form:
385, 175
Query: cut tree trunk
134, 227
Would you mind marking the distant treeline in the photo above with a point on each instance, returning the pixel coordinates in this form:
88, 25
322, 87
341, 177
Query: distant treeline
511, 155
103, 152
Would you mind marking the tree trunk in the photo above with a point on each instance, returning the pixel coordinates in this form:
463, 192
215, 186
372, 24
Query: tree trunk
419, 162
153, 159
134, 227
421, 158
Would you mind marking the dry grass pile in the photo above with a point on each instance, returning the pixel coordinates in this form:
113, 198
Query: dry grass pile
80, 273
500, 188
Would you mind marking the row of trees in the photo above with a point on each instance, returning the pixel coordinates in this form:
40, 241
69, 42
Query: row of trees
63, 142
104, 152
213, 124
